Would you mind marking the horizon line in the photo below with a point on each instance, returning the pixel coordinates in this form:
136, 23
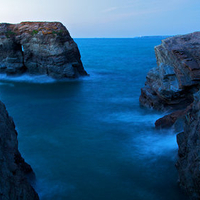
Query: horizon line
123, 37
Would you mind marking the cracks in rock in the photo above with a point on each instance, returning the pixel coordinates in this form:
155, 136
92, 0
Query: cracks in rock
22, 51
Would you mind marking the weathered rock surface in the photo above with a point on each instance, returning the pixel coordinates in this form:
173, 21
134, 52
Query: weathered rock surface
188, 163
168, 120
13, 169
174, 86
172, 83
39, 48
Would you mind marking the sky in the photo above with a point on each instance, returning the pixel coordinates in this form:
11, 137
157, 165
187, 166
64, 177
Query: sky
109, 18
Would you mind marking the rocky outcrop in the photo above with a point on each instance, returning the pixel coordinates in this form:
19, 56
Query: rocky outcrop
174, 86
13, 169
188, 163
176, 78
169, 120
39, 48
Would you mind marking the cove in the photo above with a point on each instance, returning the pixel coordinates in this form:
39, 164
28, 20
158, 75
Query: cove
89, 138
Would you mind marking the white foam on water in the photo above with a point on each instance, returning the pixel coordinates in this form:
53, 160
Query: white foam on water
47, 79
133, 117
122, 100
9, 84
93, 76
148, 141
27, 78
154, 144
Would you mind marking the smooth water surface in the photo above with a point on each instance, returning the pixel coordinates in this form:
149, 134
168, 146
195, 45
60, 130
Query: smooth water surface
88, 139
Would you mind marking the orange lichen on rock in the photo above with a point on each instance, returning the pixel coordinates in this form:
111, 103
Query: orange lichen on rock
47, 32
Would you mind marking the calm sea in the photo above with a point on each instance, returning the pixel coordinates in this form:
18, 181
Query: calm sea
89, 139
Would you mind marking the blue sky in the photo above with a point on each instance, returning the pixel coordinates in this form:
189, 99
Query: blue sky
109, 18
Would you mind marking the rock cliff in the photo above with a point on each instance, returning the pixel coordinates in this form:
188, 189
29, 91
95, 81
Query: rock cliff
39, 48
188, 163
13, 169
174, 85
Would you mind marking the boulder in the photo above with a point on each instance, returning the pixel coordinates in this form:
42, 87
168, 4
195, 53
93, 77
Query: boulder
169, 120
39, 48
175, 119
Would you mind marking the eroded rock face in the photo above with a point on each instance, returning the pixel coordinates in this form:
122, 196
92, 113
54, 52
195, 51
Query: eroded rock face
39, 48
172, 83
188, 164
13, 169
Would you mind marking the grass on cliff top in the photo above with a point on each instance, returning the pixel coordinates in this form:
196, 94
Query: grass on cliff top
47, 32
34, 32
9, 34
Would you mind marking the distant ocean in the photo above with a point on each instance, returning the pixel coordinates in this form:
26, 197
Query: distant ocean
89, 139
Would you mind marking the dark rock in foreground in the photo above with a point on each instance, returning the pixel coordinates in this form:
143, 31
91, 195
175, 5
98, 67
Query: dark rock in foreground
39, 48
13, 169
188, 163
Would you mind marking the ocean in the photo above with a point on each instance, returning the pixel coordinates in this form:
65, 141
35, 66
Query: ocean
89, 138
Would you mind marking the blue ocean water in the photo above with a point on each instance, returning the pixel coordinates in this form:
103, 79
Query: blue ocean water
89, 139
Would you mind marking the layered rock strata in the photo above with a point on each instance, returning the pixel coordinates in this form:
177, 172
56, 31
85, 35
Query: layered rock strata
13, 169
39, 48
174, 86
176, 78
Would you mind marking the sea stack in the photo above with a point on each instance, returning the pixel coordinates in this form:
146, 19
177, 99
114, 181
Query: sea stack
14, 184
39, 48
173, 86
